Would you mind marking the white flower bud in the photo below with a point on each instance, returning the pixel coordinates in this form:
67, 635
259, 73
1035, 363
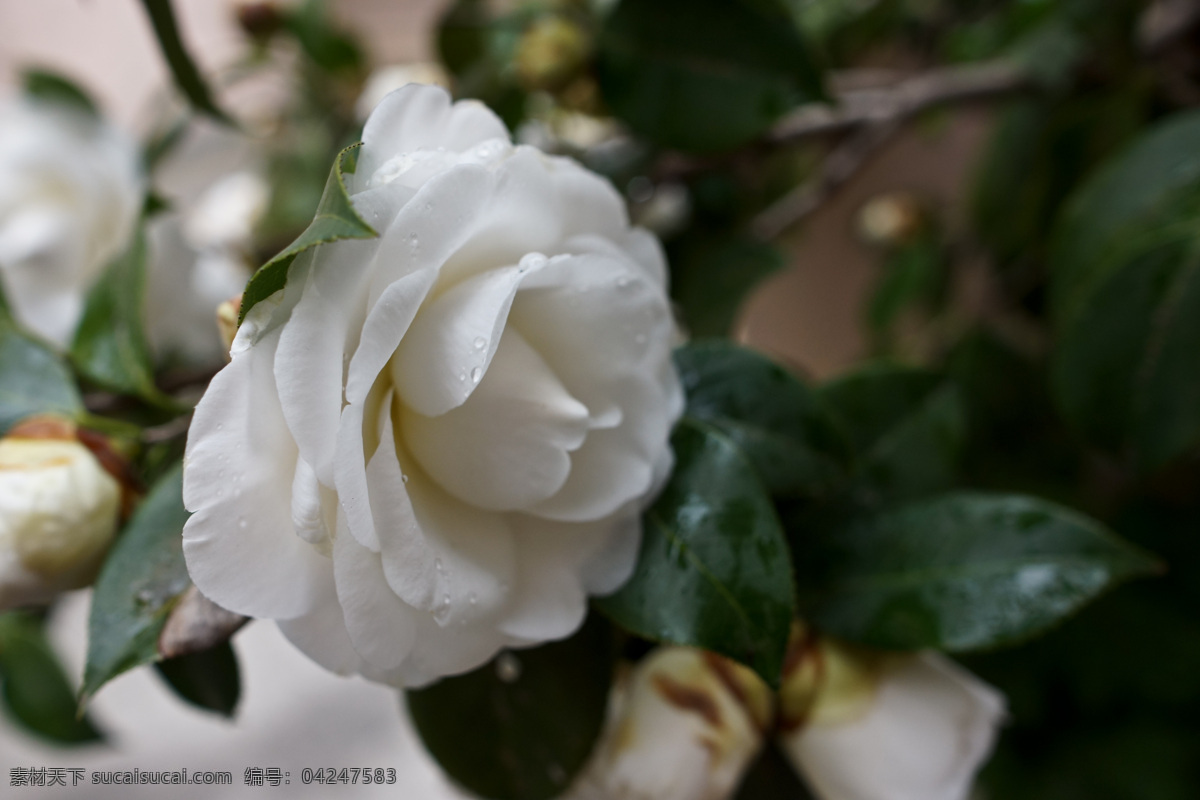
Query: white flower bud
867, 726
684, 726
59, 510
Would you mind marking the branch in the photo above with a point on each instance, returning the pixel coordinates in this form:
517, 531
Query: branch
869, 117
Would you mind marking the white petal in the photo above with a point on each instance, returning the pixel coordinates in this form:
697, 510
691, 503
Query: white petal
928, 730
417, 117
321, 634
452, 341
410, 563
549, 601
241, 548
507, 448
431, 226
312, 350
382, 627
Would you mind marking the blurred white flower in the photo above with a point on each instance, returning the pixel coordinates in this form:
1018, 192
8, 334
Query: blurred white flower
198, 247
864, 726
59, 511
684, 726
70, 195
437, 443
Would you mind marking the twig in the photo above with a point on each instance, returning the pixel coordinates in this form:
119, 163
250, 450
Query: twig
870, 117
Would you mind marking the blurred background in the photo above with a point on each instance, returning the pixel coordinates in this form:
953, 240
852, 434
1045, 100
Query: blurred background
891, 189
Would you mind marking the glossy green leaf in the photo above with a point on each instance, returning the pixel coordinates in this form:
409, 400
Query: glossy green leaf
54, 88
335, 219
35, 688
521, 727
138, 586
713, 571
712, 274
1126, 292
33, 379
209, 679
703, 75
961, 571
906, 427
775, 419
110, 344
183, 68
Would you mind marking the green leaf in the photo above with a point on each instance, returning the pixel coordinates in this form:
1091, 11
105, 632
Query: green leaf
1125, 287
336, 219
33, 379
54, 88
208, 679
914, 276
906, 427
330, 49
110, 345
961, 571
138, 586
776, 421
711, 274
183, 68
713, 571
35, 688
703, 75
521, 727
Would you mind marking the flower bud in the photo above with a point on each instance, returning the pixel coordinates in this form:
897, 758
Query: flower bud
59, 510
684, 725
227, 322
551, 52
865, 726
891, 219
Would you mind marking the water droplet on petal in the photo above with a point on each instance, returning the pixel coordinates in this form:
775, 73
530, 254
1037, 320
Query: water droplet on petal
508, 668
480, 343
242, 523
472, 599
531, 261
404, 478
476, 375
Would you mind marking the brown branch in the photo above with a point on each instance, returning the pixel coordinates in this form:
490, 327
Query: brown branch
869, 117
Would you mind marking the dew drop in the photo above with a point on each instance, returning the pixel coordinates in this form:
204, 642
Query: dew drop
531, 261
472, 599
145, 596
476, 374
404, 479
508, 668
242, 524
480, 343
462, 374
439, 566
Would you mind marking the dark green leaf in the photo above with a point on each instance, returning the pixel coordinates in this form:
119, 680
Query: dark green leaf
1126, 292
914, 276
906, 427
110, 345
770, 414
961, 571
330, 49
335, 219
142, 579
183, 68
522, 726
703, 75
54, 88
711, 274
208, 679
36, 691
713, 570
33, 380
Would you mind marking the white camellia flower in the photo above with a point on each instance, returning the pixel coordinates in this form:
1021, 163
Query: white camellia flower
864, 726
70, 194
684, 726
59, 511
437, 443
